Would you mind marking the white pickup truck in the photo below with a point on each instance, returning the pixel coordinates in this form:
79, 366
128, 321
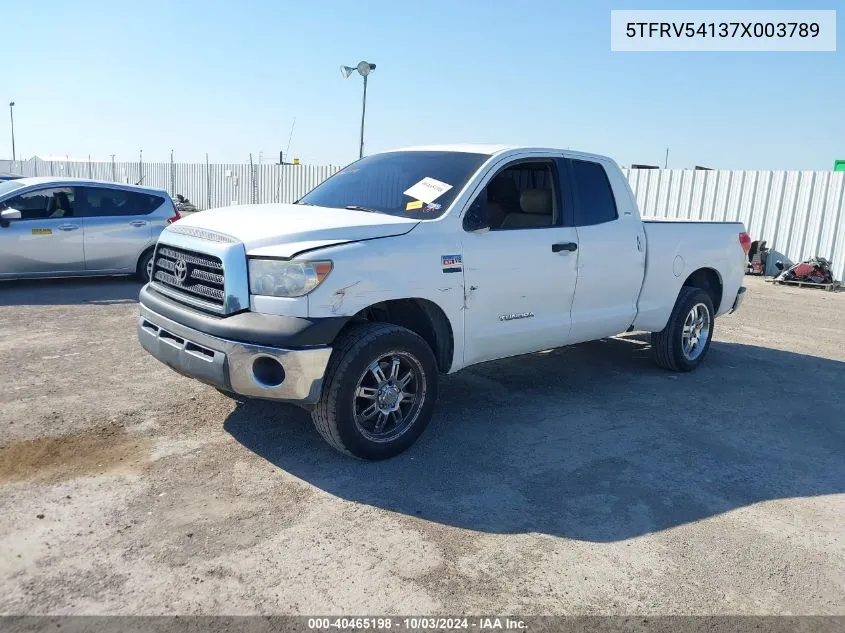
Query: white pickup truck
418, 262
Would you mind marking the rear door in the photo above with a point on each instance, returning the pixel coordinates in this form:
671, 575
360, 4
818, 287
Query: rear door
611, 249
117, 226
47, 240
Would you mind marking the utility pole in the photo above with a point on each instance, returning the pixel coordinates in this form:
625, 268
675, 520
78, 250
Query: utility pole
363, 113
364, 69
666, 160
12, 117
207, 183
290, 136
172, 175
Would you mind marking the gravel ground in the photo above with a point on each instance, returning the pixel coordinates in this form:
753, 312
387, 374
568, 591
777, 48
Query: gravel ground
579, 481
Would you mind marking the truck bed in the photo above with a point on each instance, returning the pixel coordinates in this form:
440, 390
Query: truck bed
677, 249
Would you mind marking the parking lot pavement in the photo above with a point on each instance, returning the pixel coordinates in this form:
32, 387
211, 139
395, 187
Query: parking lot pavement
582, 480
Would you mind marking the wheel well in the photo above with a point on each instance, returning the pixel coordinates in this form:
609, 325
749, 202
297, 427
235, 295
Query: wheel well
421, 316
707, 279
143, 254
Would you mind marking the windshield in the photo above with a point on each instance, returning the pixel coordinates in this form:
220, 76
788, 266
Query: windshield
8, 186
417, 185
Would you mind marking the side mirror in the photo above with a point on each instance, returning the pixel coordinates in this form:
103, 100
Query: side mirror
476, 219
10, 214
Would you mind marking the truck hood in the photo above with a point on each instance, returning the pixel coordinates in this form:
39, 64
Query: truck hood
283, 230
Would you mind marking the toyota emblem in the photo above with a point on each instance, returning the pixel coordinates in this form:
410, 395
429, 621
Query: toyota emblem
180, 270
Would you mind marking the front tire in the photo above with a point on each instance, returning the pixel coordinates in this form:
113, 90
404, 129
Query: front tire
379, 391
685, 341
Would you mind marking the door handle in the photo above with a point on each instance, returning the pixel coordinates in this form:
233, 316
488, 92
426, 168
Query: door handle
67, 227
138, 223
565, 246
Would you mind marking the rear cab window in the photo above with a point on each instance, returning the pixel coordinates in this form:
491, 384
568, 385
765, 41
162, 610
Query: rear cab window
595, 203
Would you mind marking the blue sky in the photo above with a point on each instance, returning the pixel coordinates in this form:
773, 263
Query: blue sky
228, 78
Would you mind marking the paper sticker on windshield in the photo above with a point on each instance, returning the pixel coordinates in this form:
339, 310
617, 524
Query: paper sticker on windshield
428, 190
413, 204
42, 231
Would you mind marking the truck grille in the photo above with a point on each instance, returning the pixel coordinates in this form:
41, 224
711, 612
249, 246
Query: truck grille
195, 276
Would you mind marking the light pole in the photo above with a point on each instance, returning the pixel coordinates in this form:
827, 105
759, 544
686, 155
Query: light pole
12, 117
364, 69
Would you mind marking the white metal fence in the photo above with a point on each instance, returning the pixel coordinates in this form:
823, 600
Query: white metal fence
206, 185
799, 213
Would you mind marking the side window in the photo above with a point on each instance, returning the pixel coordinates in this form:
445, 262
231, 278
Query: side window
521, 196
107, 202
144, 203
43, 204
596, 203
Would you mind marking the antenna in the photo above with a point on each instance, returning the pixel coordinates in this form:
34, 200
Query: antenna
291, 135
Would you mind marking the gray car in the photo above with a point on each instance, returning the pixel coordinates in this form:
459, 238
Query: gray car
66, 227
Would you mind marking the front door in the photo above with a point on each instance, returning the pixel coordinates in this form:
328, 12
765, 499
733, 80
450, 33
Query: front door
520, 276
47, 239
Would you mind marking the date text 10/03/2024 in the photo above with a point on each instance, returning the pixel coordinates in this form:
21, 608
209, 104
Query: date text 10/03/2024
417, 623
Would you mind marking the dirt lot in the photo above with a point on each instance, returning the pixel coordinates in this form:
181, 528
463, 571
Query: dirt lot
582, 480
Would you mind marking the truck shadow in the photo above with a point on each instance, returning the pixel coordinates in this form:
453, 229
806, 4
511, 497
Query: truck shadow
591, 442
73, 291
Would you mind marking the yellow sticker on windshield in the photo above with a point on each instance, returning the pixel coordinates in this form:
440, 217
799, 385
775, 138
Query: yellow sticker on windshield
414, 204
42, 231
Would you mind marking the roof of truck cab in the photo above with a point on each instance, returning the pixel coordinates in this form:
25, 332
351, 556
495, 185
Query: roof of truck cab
470, 148
491, 150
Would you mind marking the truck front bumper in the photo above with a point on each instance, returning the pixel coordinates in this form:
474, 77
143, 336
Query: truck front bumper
740, 295
256, 371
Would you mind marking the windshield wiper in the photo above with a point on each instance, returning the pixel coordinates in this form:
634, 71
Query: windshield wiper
356, 207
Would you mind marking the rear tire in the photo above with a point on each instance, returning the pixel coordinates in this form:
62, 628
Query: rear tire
685, 341
379, 391
145, 266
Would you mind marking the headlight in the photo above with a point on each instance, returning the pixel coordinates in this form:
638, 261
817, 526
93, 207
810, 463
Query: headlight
281, 278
